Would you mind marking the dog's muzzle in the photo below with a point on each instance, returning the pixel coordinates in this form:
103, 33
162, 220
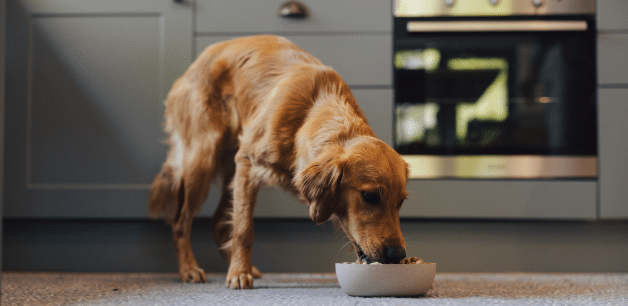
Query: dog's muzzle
389, 255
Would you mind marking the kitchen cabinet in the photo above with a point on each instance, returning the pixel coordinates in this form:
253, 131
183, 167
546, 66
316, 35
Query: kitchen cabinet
85, 109
325, 16
613, 139
509, 199
611, 15
612, 108
612, 59
84, 106
85, 103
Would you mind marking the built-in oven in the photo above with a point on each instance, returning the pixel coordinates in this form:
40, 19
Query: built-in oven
496, 88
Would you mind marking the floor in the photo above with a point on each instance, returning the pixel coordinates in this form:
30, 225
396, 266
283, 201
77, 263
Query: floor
31, 288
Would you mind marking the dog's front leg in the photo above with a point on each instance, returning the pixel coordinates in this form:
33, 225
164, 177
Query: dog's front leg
240, 275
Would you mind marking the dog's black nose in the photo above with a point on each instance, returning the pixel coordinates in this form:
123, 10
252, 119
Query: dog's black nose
394, 254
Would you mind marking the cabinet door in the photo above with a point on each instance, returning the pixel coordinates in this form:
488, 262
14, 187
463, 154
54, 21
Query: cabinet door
611, 15
84, 103
613, 142
612, 66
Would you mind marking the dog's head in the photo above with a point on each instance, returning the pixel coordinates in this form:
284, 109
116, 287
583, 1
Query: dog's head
361, 187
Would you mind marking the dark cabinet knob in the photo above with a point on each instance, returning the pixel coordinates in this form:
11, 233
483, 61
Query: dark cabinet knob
293, 9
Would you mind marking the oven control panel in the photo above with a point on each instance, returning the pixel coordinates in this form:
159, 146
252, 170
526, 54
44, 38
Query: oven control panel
435, 8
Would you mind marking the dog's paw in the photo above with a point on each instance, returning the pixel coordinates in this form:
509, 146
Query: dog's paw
256, 273
239, 281
192, 275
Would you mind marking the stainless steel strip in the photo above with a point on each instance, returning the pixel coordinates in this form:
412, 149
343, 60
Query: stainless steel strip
431, 8
496, 26
501, 167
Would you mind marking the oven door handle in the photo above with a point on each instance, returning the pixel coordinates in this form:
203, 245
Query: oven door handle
497, 26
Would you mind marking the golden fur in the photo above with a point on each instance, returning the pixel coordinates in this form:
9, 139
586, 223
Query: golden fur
260, 110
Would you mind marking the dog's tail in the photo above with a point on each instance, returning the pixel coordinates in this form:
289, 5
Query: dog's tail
163, 196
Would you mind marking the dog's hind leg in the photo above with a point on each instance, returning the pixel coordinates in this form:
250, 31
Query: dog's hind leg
189, 271
197, 174
167, 201
222, 221
169, 198
193, 169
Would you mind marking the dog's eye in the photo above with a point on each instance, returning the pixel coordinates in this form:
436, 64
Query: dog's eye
371, 197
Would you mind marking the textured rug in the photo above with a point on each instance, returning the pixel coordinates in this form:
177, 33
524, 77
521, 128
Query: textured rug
30, 288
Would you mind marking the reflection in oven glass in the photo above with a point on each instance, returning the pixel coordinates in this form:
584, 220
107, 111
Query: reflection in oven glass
524, 98
488, 77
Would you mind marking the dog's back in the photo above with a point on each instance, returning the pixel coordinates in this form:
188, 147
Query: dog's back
208, 105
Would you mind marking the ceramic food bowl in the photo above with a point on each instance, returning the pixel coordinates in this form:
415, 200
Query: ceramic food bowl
385, 280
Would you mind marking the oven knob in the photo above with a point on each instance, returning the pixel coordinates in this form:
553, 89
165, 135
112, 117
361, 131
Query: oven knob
537, 3
450, 3
493, 2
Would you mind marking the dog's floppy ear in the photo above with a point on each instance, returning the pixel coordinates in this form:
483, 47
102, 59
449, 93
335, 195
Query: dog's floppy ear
319, 184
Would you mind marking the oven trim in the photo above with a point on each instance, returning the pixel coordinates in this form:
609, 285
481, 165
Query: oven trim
497, 26
440, 8
501, 167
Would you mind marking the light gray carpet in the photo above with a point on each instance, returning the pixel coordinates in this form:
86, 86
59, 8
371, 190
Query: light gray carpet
27, 288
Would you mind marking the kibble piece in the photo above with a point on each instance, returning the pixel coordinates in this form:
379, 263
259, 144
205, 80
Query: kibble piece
411, 260
405, 261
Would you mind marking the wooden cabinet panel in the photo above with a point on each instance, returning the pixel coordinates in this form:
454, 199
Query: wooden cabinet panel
611, 15
260, 16
612, 62
612, 110
517, 199
377, 105
612, 107
93, 106
85, 103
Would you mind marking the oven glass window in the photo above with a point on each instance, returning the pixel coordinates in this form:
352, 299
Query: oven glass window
495, 93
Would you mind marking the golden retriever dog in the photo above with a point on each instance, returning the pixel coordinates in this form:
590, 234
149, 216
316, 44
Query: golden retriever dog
261, 111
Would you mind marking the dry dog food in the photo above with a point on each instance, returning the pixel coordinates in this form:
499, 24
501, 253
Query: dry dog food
405, 261
412, 260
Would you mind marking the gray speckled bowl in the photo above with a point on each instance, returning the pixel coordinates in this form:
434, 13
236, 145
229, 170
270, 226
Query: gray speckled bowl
385, 280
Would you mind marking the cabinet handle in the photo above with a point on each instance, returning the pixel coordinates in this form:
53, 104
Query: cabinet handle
293, 9
497, 26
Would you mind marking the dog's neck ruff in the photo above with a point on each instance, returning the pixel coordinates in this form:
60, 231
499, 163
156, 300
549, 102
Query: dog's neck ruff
333, 119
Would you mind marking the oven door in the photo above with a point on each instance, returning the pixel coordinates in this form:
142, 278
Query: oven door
496, 98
